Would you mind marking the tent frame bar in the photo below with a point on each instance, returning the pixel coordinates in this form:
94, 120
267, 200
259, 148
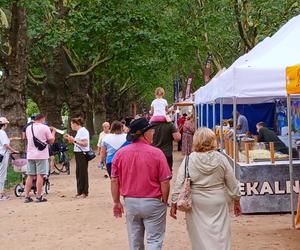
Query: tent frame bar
234, 134
207, 116
289, 115
221, 126
202, 114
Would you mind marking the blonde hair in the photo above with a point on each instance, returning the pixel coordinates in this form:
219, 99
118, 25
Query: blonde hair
159, 92
204, 140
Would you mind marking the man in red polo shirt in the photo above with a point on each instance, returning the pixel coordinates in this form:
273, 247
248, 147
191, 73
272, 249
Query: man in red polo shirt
140, 173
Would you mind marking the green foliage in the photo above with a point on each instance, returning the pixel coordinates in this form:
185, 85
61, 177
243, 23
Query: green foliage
32, 108
13, 178
149, 43
94, 141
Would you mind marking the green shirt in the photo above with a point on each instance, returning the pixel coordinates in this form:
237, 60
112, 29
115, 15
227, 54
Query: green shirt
163, 137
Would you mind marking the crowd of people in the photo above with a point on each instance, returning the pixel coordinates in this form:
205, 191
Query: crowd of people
139, 161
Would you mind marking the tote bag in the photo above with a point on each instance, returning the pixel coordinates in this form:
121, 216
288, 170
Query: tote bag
184, 202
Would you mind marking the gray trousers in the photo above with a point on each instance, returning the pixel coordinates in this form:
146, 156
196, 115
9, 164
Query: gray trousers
3, 170
145, 214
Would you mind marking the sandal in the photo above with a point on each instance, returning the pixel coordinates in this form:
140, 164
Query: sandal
28, 199
54, 173
40, 199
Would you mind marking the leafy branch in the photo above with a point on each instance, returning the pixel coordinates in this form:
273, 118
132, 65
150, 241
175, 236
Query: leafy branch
90, 69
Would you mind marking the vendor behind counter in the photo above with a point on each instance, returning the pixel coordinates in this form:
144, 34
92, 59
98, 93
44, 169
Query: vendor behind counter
267, 135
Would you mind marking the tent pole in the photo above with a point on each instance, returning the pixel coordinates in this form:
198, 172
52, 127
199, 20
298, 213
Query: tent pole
198, 114
214, 117
207, 110
221, 125
234, 134
176, 118
201, 114
291, 157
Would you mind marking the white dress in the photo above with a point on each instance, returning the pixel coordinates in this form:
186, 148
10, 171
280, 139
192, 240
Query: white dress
212, 182
3, 151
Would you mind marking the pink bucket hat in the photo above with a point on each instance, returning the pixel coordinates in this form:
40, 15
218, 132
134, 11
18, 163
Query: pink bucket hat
3, 120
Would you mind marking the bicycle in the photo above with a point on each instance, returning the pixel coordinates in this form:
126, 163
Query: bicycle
61, 162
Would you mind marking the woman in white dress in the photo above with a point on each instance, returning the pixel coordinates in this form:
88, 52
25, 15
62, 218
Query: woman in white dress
5, 149
212, 182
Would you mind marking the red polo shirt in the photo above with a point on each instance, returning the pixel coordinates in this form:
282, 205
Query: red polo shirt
140, 168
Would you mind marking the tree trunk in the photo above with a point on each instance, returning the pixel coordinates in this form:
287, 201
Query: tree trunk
90, 111
80, 101
50, 94
99, 112
13, 92
90, 122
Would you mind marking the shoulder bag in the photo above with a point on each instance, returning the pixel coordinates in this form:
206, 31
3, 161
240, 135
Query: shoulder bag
37, 142
90, 155
2, 156
184, 202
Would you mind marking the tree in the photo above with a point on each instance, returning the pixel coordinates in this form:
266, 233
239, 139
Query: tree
14, 62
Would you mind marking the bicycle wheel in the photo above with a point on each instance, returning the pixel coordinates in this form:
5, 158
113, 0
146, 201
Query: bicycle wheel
47, 187
61, 163
19, 189
67, 167
61, 167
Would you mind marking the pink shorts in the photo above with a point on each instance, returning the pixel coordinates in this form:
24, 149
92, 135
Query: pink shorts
158, 119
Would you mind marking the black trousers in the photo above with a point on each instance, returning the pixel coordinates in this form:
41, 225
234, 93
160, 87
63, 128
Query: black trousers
179, 145
170, 161
82, 176
108, 168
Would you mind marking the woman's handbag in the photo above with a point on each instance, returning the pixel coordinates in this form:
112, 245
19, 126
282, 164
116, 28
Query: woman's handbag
90, 155
1, 158
184, 202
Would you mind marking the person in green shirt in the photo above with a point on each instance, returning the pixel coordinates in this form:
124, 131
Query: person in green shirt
165, 134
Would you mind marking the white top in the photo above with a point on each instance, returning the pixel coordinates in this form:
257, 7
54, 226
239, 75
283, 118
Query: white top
82, 134
159, 105
102, 135
4, 140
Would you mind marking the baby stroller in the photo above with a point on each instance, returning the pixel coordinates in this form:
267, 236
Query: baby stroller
20, 166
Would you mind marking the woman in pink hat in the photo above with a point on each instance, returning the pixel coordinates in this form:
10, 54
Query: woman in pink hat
5, 148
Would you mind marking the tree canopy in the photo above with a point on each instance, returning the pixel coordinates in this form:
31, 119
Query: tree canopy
98, 58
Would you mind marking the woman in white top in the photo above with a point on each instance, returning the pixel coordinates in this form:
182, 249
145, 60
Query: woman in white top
112, 143
159, 106
5, 148
212, 183
81, 145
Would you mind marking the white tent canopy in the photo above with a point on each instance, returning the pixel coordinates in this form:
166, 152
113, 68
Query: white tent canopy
258, 76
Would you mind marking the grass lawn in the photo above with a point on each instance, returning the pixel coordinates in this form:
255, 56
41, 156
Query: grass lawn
12, 178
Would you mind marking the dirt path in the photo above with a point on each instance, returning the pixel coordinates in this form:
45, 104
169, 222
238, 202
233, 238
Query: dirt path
68, 223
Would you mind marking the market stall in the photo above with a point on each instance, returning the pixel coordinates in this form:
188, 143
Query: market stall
188, 107
259, 78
